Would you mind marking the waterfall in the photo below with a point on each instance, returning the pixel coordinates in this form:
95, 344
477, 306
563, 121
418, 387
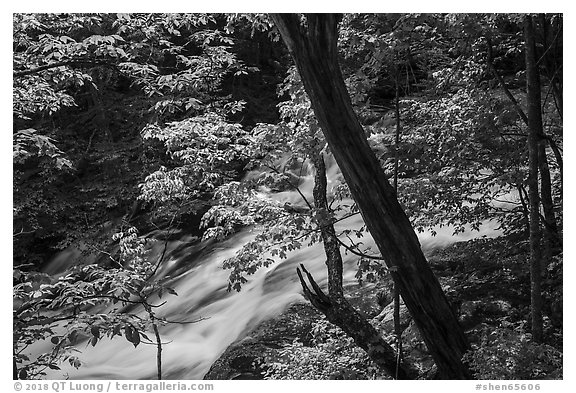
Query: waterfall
222, 317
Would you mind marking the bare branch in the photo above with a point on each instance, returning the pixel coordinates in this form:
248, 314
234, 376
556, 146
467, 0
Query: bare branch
503, 84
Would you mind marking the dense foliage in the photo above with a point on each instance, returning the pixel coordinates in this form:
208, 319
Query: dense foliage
332, 355
198, 123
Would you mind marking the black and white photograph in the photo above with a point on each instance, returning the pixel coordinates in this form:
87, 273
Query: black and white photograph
287, 196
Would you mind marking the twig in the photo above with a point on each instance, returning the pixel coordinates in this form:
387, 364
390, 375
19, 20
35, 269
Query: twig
22, 233
503, 84
17, 74
358, 253
24, 265
295, 187
142, 301
184, 322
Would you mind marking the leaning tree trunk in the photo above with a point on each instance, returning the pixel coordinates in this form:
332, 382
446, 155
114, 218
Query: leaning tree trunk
534, 134
314, 49
334, 306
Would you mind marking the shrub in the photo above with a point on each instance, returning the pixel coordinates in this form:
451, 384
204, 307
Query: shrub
507, 353
332, 356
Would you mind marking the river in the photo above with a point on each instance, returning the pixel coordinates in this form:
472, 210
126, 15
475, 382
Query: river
223, 317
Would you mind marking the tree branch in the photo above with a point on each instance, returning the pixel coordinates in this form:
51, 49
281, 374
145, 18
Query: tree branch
517, 107
318, 298
503, 84
358, 253
77, 62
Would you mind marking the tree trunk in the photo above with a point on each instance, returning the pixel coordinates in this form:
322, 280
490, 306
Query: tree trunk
327, 231
336, 308
396, 292
549, 58
548, 138
534, 133
314, 49
14, 368
525, 210
551, 233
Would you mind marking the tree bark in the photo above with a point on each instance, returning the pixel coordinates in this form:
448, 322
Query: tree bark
14, 368
327, 231
396, 292
551, 229
525, 210
336, 308
551, 235
314, 49
534, 133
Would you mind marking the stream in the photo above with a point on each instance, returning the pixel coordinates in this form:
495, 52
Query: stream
223, 317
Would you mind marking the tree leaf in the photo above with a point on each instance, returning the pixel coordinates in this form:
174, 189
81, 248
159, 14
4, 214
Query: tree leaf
72, 336
135, 337
128, 332
95, 330
171, 291
132, 335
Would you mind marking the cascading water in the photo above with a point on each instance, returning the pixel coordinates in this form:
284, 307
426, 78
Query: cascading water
222, 317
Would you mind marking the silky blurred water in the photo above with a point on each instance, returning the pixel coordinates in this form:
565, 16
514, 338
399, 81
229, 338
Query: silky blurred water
223, 317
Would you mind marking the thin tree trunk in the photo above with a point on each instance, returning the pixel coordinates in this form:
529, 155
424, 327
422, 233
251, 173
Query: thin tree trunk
525, 209
534, 133
158, 351
314, 49
14, 367
551, 232
158, 339
518, 108
558, 157
327, 231
549, 60
397, 325
336, 308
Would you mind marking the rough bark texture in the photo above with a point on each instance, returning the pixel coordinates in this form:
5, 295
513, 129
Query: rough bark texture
534, 133
336, 308
327, 231
314, 49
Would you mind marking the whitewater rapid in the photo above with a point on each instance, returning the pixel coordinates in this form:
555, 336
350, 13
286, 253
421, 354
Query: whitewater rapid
221, 317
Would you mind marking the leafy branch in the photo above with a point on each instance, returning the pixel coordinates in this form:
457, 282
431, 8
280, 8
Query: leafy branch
64, 63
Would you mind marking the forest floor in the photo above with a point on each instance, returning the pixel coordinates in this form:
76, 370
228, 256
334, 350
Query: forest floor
486, 280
